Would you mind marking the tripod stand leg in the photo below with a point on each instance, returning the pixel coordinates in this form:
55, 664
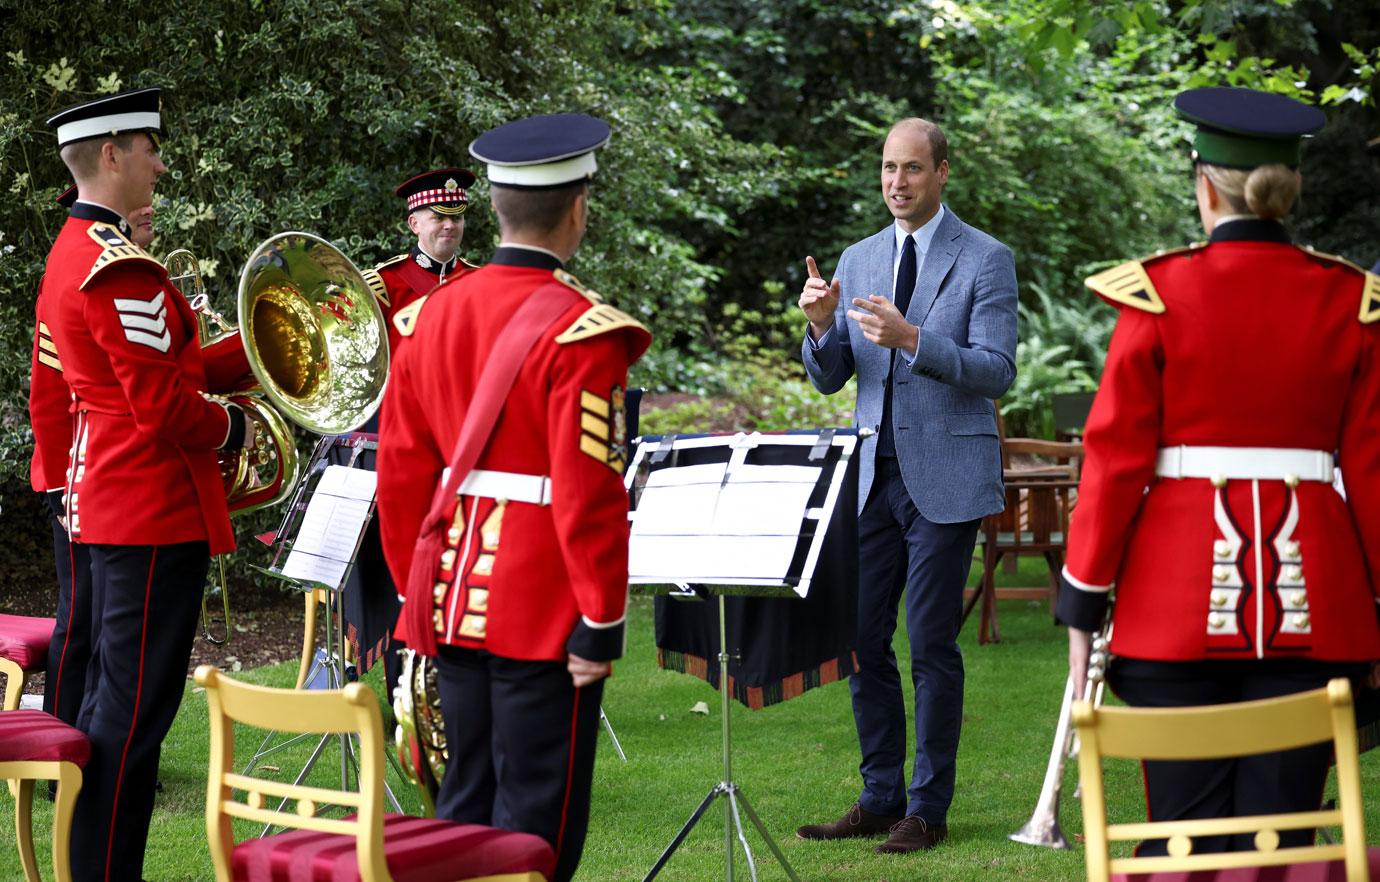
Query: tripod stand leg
728, 831
762, 831
738, 825
717, 790
613, 736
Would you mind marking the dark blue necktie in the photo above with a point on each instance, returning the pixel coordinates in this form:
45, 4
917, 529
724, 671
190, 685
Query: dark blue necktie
905, 276
905, 286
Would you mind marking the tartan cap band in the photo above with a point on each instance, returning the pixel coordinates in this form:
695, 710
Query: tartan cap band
440, 196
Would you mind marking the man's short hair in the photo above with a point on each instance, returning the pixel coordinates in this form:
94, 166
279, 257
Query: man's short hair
939, 145
83, 157
522, 210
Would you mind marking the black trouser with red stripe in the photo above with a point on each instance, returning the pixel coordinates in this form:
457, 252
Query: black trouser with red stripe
69, 650
146, 599
521, 740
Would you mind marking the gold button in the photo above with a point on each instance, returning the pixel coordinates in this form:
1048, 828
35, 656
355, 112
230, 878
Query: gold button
448, 559
1298, 598
1216, 622
438, 593
1221, 548
453, 536
1301, 620
1294, 574
1219, 600
1292, 549
1221, 573
438, 621
1219, 481
1291, 480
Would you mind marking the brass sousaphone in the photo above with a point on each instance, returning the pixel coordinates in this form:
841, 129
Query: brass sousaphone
315, 336
317, 343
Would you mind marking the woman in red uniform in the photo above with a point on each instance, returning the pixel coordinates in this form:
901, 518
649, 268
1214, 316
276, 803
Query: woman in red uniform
1240, 372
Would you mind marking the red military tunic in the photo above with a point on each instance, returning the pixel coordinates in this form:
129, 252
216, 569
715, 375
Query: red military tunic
533, 579
144, 467
1257, 568
400, 281
50, 405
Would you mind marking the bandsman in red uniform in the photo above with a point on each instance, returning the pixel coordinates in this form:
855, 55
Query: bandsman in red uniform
1239, 373
436, 203
51, 419
144, 492
523, 608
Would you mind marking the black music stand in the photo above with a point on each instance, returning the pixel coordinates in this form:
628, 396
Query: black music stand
336, 555
738, 515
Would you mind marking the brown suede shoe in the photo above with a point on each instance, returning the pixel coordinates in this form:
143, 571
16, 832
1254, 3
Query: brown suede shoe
913, 834
856, 824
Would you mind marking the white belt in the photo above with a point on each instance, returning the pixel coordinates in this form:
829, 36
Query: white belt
1244, 463
511, 486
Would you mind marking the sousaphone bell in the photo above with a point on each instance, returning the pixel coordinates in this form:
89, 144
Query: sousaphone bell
314, 334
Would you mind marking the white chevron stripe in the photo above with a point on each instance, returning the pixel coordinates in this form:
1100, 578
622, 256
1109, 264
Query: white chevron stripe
147, 307
154, 325
160, 343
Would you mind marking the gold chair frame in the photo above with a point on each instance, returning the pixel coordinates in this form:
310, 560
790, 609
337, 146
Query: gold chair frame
24, 773
354, 709
1214, 732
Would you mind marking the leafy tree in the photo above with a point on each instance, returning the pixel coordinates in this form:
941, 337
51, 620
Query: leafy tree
303, 114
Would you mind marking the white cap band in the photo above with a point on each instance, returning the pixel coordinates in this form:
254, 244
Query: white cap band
106, 125
544, 174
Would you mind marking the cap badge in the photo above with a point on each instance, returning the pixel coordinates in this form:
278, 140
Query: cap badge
423, 261
451, 185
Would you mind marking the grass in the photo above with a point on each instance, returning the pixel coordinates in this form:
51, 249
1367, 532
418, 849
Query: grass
796, 762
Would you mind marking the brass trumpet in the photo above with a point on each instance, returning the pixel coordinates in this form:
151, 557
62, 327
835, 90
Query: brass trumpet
1043, 826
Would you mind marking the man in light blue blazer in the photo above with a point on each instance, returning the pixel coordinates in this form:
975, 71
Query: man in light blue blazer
924, 314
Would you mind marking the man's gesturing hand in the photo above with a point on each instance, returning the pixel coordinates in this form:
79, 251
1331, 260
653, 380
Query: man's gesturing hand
883, 324
818, 300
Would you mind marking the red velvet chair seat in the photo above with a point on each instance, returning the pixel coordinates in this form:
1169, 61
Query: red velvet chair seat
33, 736
1313, 871
24, 640
416, 849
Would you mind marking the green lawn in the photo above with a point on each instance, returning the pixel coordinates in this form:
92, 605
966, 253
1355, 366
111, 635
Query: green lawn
796, 762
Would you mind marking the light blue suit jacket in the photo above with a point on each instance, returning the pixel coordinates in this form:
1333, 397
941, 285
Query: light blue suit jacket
942, 416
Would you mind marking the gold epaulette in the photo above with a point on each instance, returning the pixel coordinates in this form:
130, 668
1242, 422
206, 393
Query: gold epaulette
405, 319
467, 264
115, 248
375, 281
600, 318
575, 284
1128, 284
1370, 291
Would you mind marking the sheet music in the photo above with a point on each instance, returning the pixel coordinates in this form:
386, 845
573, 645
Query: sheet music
331, 525
707, 523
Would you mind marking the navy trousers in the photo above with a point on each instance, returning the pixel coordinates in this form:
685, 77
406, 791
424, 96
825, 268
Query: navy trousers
521, 742
69, 650
146, 599
1263, 784
899, 549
